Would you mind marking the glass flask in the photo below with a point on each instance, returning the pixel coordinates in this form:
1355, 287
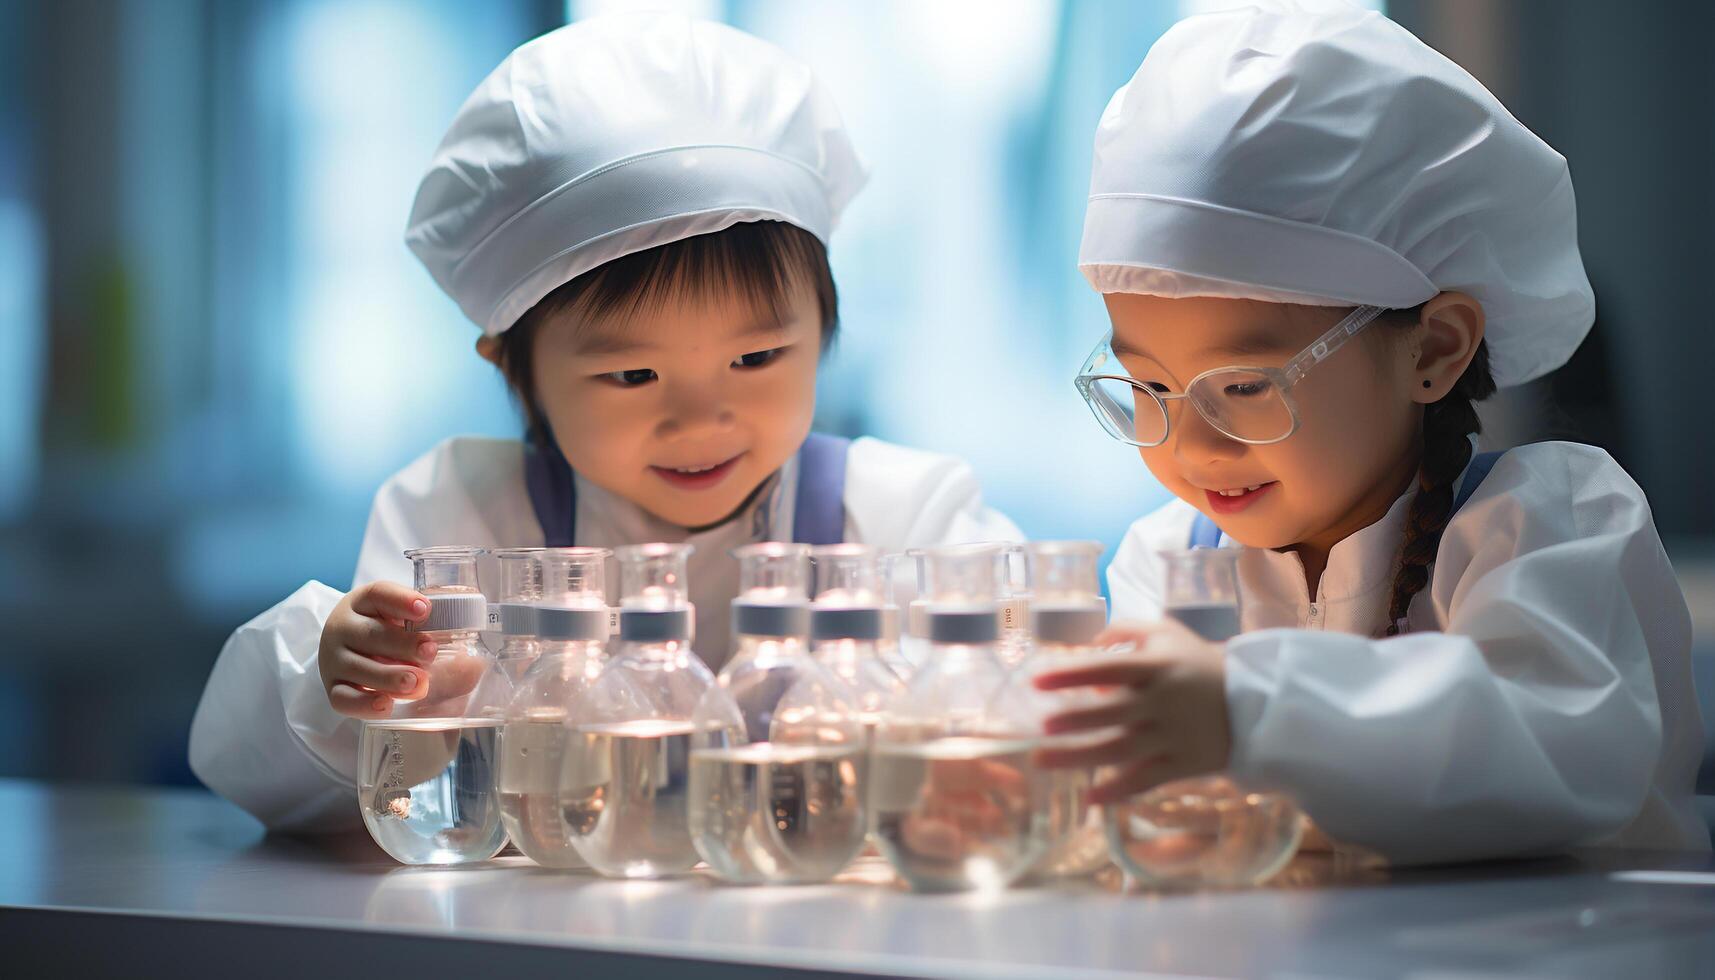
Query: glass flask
1067, 612
426, 773
1014, 642
777, 767
1206, 832
626, 774
849, 626
568, 622
957, 803
513, 613
907, 612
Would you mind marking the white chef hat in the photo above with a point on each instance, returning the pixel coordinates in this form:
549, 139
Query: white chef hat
1320, 154
614, 135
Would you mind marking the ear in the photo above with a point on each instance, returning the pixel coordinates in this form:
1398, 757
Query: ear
1443, 343
488, 348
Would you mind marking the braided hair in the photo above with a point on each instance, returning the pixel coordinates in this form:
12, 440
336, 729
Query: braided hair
1447, 427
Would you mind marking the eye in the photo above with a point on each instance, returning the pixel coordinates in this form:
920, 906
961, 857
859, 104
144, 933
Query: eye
636, 377
1247, 389
1155, 386
756, 359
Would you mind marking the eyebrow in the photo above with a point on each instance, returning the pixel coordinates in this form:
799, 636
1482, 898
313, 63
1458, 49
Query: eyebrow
603, 343
1257, 342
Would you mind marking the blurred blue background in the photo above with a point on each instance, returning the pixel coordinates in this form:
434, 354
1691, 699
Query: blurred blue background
214, 346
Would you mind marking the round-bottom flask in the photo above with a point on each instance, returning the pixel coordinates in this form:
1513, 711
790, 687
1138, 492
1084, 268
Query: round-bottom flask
426, 787
958, 804
778, 772
625, 777
1207, 832
1065, 617
569, 629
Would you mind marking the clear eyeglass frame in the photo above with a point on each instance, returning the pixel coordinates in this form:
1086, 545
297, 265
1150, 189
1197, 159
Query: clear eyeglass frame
1122, 425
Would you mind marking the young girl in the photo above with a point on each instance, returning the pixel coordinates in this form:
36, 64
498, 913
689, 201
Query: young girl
634, 209
1319, 243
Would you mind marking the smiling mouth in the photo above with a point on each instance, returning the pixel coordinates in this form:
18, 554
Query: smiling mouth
1235, 499
700, 476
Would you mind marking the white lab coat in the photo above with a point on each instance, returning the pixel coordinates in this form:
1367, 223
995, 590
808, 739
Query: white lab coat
1543, 699
264, 735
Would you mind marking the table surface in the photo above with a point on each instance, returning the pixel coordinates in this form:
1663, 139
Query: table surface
94, 877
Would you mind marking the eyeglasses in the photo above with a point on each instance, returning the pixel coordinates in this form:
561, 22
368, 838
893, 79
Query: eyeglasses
1250, 404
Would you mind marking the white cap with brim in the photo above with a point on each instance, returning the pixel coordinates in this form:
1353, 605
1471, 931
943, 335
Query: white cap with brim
618, 134
1318, 153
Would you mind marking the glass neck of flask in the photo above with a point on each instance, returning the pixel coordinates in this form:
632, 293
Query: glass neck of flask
847, 651
664, 651
514, 647
453, 641
958, 658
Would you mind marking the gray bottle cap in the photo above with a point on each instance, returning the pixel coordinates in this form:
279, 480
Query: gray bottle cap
454, 611
770, 619
847, 623
1071, 625
973, 626
654, 625
571, 623
513, 618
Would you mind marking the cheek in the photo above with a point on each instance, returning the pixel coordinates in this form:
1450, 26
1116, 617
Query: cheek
593, 425
1159, 461
1346, 436
781, 405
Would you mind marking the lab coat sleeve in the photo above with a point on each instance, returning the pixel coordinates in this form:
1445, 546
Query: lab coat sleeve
243, 744
265, 736
1529, 724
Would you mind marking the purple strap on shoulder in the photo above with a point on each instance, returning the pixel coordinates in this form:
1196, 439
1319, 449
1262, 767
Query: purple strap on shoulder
818, 514
1474, 475
553, 492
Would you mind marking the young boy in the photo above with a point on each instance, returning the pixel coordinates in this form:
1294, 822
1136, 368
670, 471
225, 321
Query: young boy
635, 211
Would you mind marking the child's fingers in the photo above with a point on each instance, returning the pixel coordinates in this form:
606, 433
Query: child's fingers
354, 702
1139, 777
456, 676
350, 667
373, 638
1130, 673
1133, 744
1128, 711
1128, 631
390, 600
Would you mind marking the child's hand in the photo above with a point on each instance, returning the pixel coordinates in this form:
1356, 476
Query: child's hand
1167, 702
367, 658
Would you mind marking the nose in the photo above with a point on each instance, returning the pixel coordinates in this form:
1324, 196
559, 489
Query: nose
695, 408
1196, 443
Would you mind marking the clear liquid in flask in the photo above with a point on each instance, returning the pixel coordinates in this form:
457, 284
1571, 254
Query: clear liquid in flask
532, 750
779, 814
959, 813
623, 793
427, 788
